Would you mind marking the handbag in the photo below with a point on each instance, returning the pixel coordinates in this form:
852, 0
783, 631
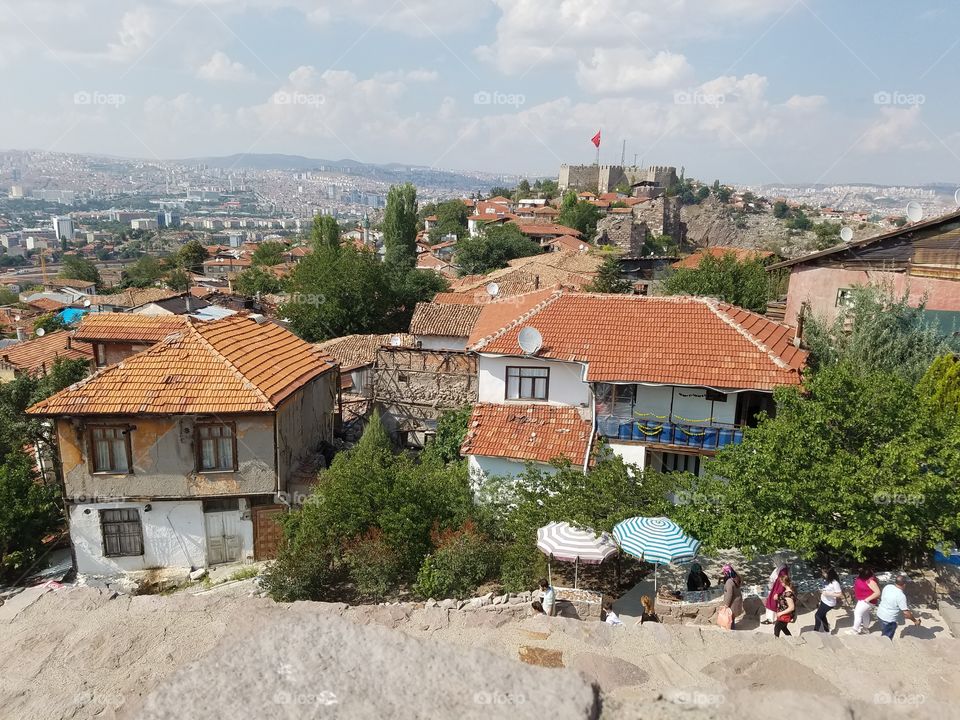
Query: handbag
725, 618
783, 616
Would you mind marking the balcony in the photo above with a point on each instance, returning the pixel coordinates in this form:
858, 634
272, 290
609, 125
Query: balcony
661, 432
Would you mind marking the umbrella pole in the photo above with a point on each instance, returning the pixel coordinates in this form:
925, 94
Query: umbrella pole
576, 572
549, 574
655, 566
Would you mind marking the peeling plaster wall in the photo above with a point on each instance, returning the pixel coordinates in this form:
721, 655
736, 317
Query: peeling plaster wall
304, 421
164, 461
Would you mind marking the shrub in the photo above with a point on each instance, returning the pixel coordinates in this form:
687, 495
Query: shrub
463, 559
521, 566
372, 563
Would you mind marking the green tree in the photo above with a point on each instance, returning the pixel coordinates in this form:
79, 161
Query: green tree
256, 281
579, 215
50, 322
177, 279
493, 249
145, 272
500, 191
325, 231
800, 222
8, 297
74, 267
609, 279
191, 256
451, 219
451, 431
523, 189
744, 283
400, 227
828, 234
269, 253
939, 388
781, 210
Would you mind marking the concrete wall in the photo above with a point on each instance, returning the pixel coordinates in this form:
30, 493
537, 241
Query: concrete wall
164, 462
566, 385
482, 467
632, 454
818, 286
174, 536
117, 352
304, 421
442, 342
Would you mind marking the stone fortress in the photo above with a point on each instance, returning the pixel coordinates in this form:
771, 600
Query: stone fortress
604, 178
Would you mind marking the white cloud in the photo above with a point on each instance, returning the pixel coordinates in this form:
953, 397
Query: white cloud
136, 33
220, 68
805, 103
893, 131
623, 70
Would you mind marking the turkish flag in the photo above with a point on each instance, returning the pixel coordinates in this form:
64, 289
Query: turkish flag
596, 139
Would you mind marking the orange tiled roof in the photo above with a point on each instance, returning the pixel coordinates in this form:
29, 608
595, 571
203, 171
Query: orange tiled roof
569, 242
47, 304
678, 340
41, 353
448, 319
128, 327
546, 228
536, 432
234, 365
501, 311
70, 283
133, 297
717, 251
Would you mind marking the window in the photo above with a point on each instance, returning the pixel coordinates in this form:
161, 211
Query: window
122, 532
110, 449
527, 383
844, 297
216, 448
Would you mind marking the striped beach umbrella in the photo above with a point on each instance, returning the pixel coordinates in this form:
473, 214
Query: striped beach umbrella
656, 540
563, 541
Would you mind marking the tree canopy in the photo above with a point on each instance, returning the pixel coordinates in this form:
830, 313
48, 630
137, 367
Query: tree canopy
269, 253
400, 227
493, 249
325, 231
579, 215
744, 283
191, 256
609, 279
74, 267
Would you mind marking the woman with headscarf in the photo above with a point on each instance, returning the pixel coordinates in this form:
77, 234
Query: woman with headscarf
732, 593
697, 580
776, 589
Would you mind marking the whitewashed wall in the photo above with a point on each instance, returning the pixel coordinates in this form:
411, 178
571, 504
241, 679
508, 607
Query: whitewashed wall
566, 383
442, 342
482, 467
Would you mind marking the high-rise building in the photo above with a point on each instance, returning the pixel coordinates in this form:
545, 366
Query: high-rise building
63, 227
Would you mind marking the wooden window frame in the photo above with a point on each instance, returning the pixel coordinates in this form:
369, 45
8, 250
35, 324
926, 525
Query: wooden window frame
92, 448
520, 398
198, 446
103, 535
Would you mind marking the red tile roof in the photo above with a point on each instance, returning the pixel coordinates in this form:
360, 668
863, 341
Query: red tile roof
128, 327
446, 319
536, 432
569, 242
717, 251
353, 351
544, 228
70, 283
40, 354
47, 304
234, 365
670, 340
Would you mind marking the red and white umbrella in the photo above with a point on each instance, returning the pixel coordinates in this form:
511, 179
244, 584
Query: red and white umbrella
563, 541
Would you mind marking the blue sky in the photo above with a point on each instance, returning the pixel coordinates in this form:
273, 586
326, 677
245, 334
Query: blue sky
741, 90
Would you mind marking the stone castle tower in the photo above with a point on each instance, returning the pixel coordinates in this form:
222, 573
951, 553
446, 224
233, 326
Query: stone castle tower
604, 178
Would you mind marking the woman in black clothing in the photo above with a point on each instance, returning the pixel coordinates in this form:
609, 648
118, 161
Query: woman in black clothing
697, 580
786, 608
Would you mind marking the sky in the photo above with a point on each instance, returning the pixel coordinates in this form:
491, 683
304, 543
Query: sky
745, 91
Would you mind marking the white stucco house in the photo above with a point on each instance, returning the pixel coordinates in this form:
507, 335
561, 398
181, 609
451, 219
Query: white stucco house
665, 381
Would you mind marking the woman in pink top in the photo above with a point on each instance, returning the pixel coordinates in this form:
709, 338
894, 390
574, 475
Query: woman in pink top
866, 590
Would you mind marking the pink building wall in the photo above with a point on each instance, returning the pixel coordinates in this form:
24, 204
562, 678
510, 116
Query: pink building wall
818, 287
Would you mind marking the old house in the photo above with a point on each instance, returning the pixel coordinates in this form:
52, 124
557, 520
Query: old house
443, 326
178, 456
922, 258
114, 337
38, 356
665, 380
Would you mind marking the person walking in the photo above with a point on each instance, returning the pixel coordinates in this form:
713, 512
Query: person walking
786, 608
893, 601
549, 599
866, 590
732, 593
776, 588
831, 594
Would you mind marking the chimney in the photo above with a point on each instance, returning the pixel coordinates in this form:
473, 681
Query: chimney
187, 300
536, 282
21, 334
69, 338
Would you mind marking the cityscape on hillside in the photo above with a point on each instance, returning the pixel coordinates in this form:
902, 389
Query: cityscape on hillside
488, 359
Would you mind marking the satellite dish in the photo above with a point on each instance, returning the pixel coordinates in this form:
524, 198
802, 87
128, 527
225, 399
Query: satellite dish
530, 340
956, 196
41, 332
582, 247
846, 234
914, 211
395, 340
493, 289
86, 303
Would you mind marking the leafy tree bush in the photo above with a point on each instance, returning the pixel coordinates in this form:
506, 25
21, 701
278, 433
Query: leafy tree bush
269, 253
144, 273
828, 234
74, 267
744, 283
799, 221
50, 322
373, 564
325, 232
493, 249
609, 279
191, 256
451, 430
781, 210
400, 227
462, 560
451, 219
256, 281
579, 214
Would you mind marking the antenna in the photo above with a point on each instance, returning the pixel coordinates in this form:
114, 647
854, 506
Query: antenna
623, 153
396, 341
914, 211
530, 340
493, 289
846, 234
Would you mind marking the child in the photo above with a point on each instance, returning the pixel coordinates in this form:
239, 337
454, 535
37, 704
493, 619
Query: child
608, 615
549, 598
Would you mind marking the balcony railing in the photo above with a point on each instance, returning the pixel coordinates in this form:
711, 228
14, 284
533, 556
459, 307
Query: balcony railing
661, 432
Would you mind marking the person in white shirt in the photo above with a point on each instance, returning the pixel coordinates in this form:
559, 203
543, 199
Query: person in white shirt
610, 617
831, 594
893, 601
549, 598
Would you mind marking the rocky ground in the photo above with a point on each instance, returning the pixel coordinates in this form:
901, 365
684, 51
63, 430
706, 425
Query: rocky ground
85, 653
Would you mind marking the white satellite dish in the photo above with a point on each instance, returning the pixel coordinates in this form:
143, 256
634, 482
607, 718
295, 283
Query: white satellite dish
956, 196
530, 340
86, 303
396, 341
846, 234
41, 332
493, 289
914, 211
